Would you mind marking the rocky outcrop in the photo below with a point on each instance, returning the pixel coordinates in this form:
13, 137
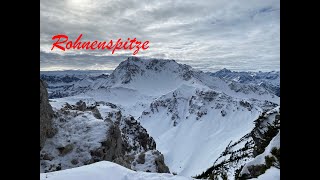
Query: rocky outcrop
81, 106
46, 115
112, 148
87, 135
126, 144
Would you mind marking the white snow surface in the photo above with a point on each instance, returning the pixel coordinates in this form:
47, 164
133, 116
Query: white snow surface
105, 170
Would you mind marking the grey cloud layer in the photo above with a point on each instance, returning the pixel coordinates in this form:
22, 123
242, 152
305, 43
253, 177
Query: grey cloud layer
207, 34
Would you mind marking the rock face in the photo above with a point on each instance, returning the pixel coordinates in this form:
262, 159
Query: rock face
93, 132
161, 166
46, 115
113, 146
127, 143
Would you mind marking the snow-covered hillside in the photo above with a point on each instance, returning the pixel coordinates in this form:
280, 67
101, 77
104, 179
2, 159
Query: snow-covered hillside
105, 170
192, 125
253, 154
192, 116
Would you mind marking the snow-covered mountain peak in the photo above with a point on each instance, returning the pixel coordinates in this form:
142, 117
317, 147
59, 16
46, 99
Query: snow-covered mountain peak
151, 62
159, 76
150, 76
134, 66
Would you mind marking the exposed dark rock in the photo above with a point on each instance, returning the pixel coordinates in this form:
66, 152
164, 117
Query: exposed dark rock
46, 115
140, 134
141, 158
97, 154
81, 106
74, 161
161, 166
223, 113
246, 104
255, 171
46, 156
66, 149
53, 167
96, 113
114, 144
123, 161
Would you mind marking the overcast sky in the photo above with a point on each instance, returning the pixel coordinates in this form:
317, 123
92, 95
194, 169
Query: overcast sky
206, 34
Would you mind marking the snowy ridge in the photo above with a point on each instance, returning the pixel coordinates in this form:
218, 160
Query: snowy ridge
106, 170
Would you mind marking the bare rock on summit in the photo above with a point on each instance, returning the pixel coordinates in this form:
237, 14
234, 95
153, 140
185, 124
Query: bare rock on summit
46, 115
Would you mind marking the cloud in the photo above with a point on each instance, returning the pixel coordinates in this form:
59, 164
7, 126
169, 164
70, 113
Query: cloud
240, 35
53, 61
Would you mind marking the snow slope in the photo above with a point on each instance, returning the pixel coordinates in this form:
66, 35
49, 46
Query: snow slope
105, 170
238, 158
192, 126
